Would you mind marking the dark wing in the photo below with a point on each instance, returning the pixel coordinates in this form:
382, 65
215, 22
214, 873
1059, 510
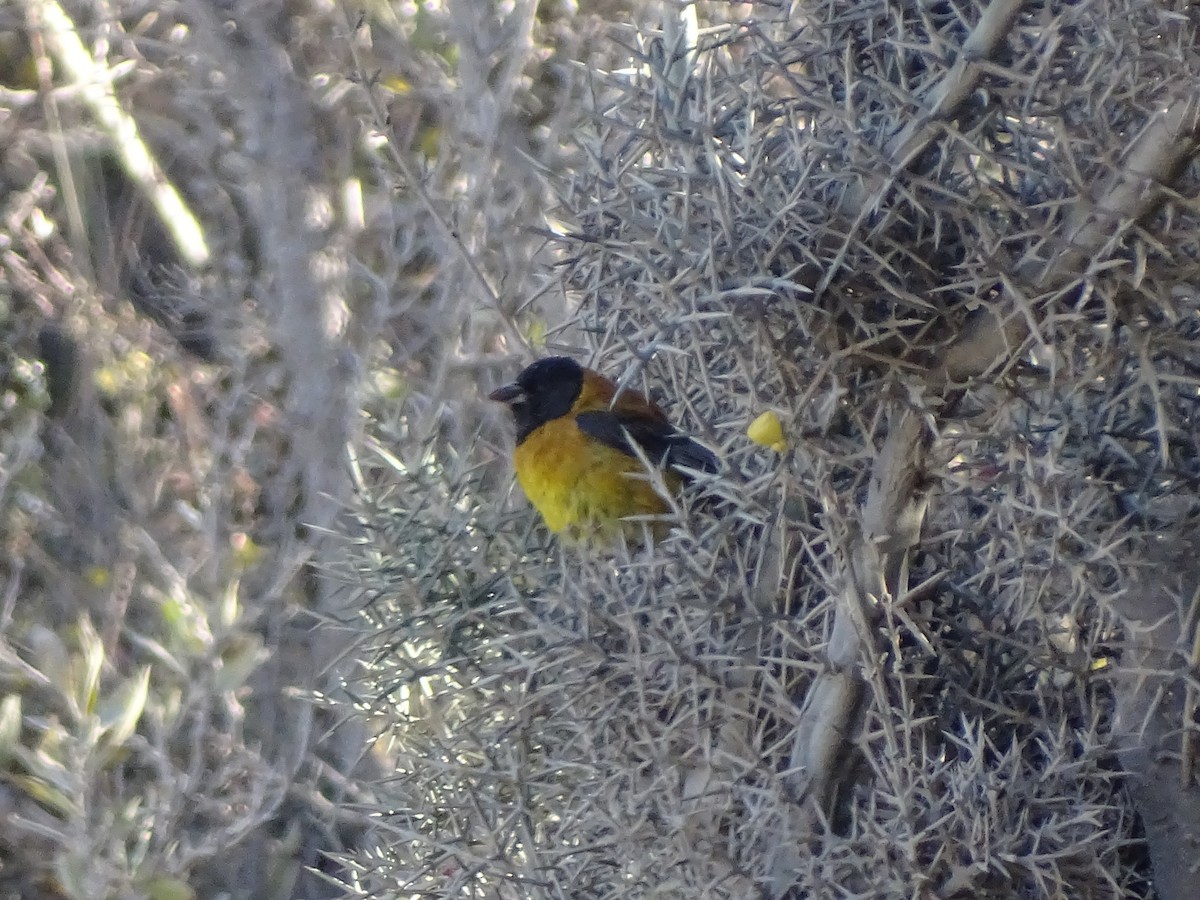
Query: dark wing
658, 440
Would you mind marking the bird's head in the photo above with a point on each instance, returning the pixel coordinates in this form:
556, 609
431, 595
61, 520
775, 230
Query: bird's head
545, 390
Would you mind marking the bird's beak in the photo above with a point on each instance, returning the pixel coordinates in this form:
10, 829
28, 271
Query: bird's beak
509, 393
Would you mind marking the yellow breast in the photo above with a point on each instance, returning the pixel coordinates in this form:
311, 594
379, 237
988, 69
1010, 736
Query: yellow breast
577, 482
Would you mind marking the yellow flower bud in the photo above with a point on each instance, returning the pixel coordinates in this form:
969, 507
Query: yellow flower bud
767, 430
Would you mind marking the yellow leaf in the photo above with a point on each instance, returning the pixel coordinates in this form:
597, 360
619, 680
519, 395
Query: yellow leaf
97, 576
397, 84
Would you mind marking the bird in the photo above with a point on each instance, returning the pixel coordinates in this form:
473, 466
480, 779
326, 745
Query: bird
575, 458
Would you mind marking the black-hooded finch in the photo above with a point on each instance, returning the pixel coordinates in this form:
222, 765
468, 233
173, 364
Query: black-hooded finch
574, 457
